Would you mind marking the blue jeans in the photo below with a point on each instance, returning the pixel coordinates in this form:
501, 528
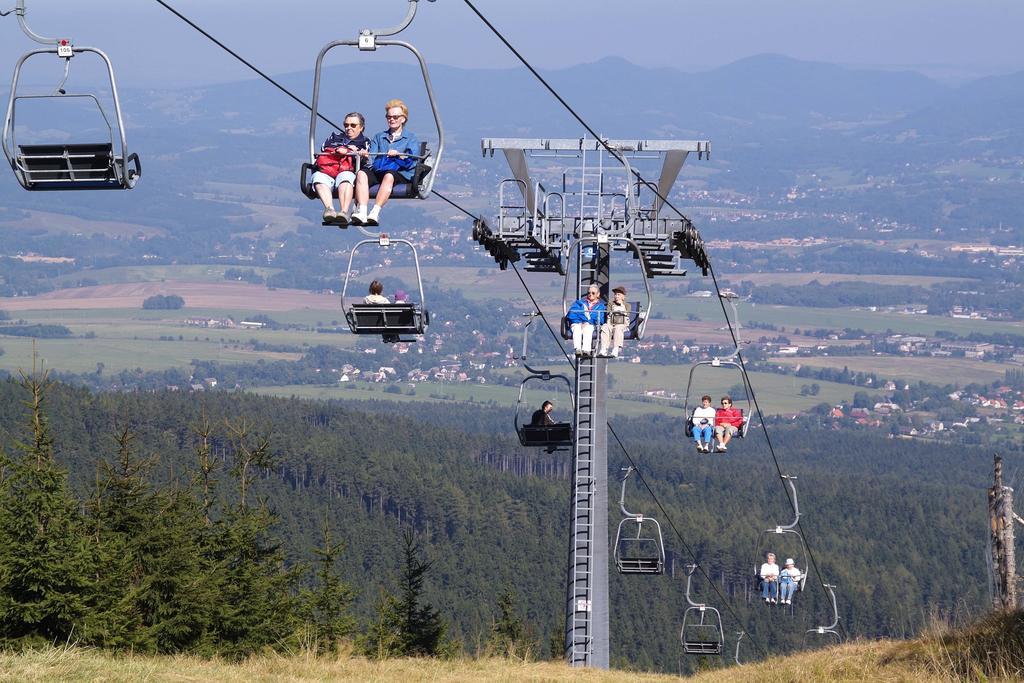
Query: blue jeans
703, 433
770, 589
787, 587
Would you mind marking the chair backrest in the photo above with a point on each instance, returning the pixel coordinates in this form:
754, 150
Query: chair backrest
385, 318
560, 432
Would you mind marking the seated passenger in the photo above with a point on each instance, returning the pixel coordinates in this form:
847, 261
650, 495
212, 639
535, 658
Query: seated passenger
789, 581
401, 297
542, 416
336, 167
613, 332
391, 158
770, 579
376, 295
728, 423
583, 316
703, 420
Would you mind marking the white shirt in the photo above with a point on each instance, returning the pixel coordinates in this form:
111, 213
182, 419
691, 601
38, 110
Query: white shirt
769, 570
708, 414
375, 299
792, 572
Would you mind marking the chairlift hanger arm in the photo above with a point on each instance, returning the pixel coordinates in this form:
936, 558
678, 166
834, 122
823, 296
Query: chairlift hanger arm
19, 10
394, 30
622, 497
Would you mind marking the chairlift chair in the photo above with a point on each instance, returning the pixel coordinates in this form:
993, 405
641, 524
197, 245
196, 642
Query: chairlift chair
701, 633
690, 401
770, 539
391, 321
638, 314
94, 165
827, 632
636, 550
427, 162
555, 436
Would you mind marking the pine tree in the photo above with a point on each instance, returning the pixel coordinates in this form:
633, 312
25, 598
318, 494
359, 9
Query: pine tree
257, 604
153, 591
384, 638
43, 552
325, 608
422, 627
510, 636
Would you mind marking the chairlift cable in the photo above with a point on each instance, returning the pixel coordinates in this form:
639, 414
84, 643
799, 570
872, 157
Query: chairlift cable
526, 287
277, 85
666, 202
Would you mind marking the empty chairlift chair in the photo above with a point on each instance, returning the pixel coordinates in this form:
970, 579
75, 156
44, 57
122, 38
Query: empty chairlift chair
701, 633
369, 40
826, 634
639, 547
392, 321
59, 165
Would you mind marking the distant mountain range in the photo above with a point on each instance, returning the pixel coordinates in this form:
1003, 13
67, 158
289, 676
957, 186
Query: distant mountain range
769, 117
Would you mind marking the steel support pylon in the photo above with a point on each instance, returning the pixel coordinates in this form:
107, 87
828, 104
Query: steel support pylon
586, 632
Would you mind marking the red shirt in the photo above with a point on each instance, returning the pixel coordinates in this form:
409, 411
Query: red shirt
729, 416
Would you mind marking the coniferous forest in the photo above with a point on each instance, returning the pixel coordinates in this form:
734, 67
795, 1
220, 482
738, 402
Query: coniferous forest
229, 524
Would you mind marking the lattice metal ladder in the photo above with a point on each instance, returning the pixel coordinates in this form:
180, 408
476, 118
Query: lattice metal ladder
583, 515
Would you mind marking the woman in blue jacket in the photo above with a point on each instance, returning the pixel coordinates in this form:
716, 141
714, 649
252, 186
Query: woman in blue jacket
392, 153
583, 316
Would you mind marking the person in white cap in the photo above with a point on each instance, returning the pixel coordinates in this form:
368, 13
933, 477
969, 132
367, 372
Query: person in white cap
789, 581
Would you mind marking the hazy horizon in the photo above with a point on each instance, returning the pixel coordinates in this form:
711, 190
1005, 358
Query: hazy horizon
944, 39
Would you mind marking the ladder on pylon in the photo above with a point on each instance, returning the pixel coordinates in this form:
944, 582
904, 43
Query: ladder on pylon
583, 512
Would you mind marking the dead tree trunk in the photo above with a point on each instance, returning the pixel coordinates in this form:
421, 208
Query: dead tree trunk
1004, 562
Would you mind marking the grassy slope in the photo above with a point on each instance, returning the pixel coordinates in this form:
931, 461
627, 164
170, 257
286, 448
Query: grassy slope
991, 648
89, 665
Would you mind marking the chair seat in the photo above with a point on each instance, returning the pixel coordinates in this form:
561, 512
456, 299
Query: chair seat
70, 166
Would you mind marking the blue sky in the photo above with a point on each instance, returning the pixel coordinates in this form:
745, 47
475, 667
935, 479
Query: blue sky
950, 39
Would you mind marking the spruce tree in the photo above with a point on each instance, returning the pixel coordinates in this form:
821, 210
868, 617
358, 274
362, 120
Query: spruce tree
325, 608
510, 636
257, 605
153, 591
405, 627
44, 563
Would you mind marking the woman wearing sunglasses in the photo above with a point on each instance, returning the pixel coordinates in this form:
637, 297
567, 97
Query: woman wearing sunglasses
336, 167
392, 153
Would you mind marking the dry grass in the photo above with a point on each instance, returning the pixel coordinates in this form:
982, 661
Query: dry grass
991, 649
81, 664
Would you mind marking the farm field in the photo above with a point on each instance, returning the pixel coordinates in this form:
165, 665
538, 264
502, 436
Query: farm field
778, 394
935, 370
84, 355
193, 273
762, 279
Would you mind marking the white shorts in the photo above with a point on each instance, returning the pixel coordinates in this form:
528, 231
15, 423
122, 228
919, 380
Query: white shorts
320, 178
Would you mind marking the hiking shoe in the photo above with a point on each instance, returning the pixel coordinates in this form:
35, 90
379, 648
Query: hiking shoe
329, 215
341, 219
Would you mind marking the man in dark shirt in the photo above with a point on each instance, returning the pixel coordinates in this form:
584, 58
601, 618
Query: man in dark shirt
541, 417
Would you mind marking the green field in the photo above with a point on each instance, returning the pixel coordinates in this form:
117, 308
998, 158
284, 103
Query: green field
934, 370
83, 355
777, 394
124, 274
792, 317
